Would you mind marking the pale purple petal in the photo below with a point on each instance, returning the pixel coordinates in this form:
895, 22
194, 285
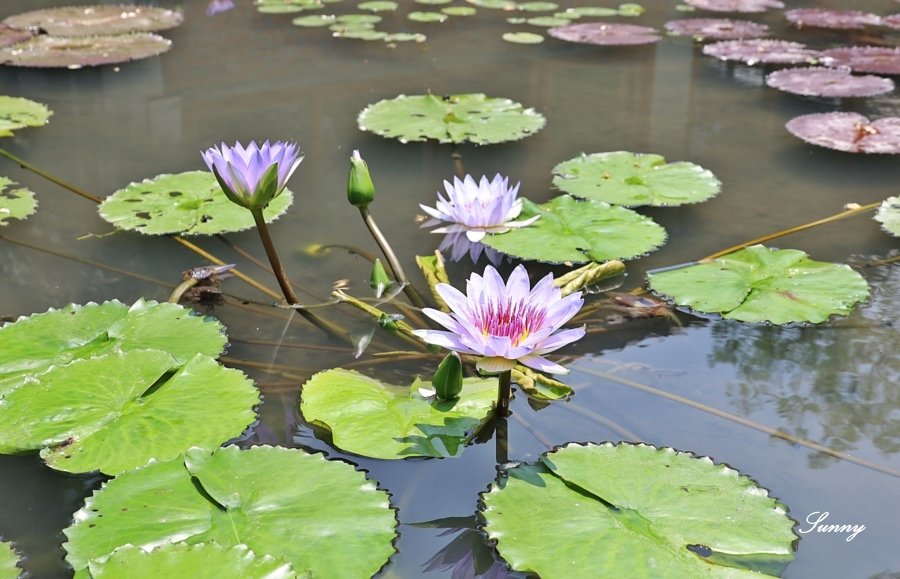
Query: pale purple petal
242, 168
455, 299
560, 339
447, 340
542, 364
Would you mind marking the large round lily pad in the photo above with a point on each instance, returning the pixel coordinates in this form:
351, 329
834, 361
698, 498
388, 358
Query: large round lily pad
635, 511
634, 179
460, 118
849, 132
754, 51
371, 418
96, 20
12, 36
717, 28
196, 561
828, 82
889, 215
323, 517
117, 412
44, 51
606, 34
572, 231
18, 113
15, 202
871, 59
830, 18
758, 284
189, 203
735, 5
8, 561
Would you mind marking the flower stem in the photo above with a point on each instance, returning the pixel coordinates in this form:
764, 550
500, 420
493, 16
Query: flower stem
391, 257
399, 328
504, 394
458, 162
25, 165
179, 291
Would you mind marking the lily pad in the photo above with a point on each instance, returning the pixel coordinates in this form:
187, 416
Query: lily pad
495, 4
871, 59
12, 36
758, 284
828, 82
754, 51
427, 16
633, 179
96, 20
117, 412
635, 511
190, 203
31, 345
830, 18
848, 132
606, 34
323, 517
459, 11
891, 21
371, 418
523, 37
18, 113
717, 28
314, 20
183, 560
547, 21
572, 231
15, 203
8, 562
889, 215
460, 118
378, 6
537, 6
45, 51
735, 5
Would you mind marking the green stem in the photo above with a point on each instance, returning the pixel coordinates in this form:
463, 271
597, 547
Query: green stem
504, 393
179, 291
399, 328
458, 162
65, 185
391, 257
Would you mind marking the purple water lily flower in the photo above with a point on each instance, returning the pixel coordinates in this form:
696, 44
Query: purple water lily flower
253, 176
505, 323
477, 208
459, 246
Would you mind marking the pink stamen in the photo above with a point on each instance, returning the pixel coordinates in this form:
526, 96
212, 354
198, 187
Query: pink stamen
512, 320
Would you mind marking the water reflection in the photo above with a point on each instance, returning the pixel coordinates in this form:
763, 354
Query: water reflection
468, 555
219, 6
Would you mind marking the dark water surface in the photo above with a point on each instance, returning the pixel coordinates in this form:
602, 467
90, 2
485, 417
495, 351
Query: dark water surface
243, 75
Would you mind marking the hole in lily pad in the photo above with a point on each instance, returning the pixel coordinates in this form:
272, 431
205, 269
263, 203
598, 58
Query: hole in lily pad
44, 51
828, 82
96, 20
735, 5
848, 132
606, 34
754, 51
828, 18
871, 59
717, 28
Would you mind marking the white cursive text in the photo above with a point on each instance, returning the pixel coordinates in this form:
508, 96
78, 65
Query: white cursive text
816, 518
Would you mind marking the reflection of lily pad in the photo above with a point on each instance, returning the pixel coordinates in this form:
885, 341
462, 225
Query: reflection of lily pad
717, 28
8, 562
578, 232
735, 5
631, 179
753, 51
606, 34
758, 284
17, 113
323, 517
189, 203
871, 59
830, 18
461, 118
44, 51
635, 511
828, 82
849, 132
374, 419
889, 215
15, 203
96, 20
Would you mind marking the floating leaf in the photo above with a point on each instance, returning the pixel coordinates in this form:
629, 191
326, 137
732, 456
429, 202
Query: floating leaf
631, 10
758, 284
459, 11
461, 118
18, 113
15, 203
495, 4
190, 203
548, 21
367, 417
828, 82
735, 5
183, 560
571, 231
405, 37
96, 20
10, 36
359, 19
427, 16
753, 51
606, 34
44, 51
31, 345
537, 6
8, 562
523, 38
889, 215
871, 59
314, 20
633, 179
433, 2
635, 511
717, 28
378, 6
829, 18
323, 517
849, 132
117, 412
593, 11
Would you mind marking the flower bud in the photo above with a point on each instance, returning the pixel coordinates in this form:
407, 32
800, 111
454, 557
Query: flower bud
448, 380
360, 190
379, 280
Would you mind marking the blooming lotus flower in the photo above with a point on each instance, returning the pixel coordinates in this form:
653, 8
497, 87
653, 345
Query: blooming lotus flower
477, 208
253, 176
505, 323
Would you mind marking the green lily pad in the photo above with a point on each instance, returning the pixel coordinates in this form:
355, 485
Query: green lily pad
523, 38
378, 6
547, 21
314, 20
367, 417
459, 11
323, 517
31, 345
16, 203
359, 19
537, 6
8, 562
888, 214
461, 118
189, 203
405, 37
635, 511
427, 16
363, 34
631, 10
18, 113
572, 231
433, 2
495, 4
284, 8
340, 29
758, 284
183, 560
633, 179
594, 11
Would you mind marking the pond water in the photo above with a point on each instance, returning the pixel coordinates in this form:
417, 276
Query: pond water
241, 75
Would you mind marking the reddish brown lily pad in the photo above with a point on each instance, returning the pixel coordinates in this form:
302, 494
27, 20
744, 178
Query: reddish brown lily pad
828, 82
835, 19
44, 51
891, 21
753, 51
717, 28
849, 132
872, 59
735, 5
96, 20
12, 36
606, 34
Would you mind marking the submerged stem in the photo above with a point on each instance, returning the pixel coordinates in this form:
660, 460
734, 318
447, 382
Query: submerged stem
391, 257
457, 162
504, 393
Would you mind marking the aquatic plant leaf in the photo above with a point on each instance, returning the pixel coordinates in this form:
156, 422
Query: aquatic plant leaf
759, 284
31, 345
537, 6
828, 82
183, 560
548, 21
717, 28
495, 4
427, 16
889, 215
96, 20
368, 417
606, 34
460, 118
44, 51
848, 132
323, 517
870, 59
359, 19
12, 36
592, 11
634, 179
572, 231
735, 5
891, 21
459, 11
190, 203
523, 37
8, 561
631, 10
18, 113
635, 511
754, 51
830, 18
15, 203
378, 6
116, 412
314, 20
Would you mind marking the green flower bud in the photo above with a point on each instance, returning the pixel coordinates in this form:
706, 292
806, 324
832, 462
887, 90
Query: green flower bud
379, 280
360, 190
448, 380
